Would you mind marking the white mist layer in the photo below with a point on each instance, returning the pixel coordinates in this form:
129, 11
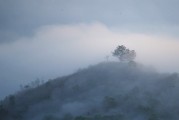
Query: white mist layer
57, 50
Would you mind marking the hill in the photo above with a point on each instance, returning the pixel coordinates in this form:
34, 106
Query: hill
106, 91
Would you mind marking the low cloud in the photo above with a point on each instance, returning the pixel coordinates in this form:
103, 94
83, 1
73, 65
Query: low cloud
23, 17
57, 50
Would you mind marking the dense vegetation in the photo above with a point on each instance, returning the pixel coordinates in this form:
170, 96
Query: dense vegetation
106, 91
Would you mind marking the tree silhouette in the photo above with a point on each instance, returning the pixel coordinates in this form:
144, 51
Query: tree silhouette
124, 54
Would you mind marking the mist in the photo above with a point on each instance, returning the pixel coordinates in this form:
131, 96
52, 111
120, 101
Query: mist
57, 50
108, 90
57, 61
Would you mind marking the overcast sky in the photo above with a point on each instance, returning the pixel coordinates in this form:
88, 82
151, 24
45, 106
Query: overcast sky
50, 38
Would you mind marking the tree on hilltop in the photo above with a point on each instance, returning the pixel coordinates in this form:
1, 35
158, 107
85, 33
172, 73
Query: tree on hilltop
124, 54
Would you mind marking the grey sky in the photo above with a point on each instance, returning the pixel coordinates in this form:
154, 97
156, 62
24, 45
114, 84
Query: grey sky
46, 38
22, 17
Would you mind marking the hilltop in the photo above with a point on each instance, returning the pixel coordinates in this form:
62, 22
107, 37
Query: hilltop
106, 91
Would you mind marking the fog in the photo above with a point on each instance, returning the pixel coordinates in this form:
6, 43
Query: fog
45, 39
56, 60
109, 90
57, 50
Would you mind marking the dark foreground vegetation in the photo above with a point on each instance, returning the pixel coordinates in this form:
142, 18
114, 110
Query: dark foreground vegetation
106, 91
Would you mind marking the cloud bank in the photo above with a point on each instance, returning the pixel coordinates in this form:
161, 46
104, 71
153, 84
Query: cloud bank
22, 17
57, 50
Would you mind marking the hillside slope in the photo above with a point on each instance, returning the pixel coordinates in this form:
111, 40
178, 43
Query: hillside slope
106, 91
